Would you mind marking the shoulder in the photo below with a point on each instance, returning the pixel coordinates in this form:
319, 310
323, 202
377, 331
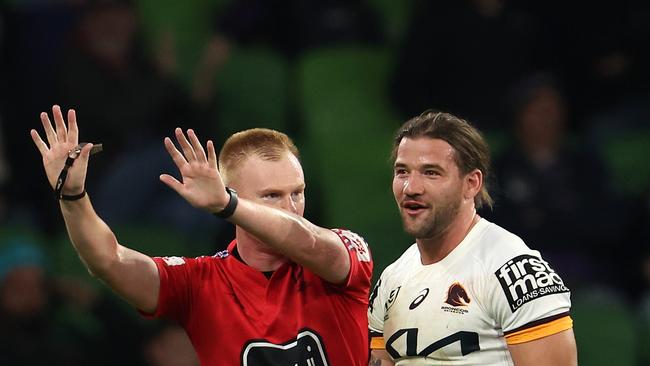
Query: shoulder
192, 263
401, 267
348, 236
494, 246
354, 241
520, 275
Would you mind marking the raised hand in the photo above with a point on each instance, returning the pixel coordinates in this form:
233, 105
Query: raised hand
201, 184
62, 139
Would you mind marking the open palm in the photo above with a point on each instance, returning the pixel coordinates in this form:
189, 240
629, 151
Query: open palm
60, 141
201, 183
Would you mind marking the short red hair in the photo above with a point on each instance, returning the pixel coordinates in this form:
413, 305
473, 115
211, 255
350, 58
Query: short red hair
268, 144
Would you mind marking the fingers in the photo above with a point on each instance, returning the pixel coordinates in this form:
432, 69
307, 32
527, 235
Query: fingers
73, 129
40, 145
61, 131
49, 131
188, 151
196, 144
176, 155
84, 155
212, 154
171, 182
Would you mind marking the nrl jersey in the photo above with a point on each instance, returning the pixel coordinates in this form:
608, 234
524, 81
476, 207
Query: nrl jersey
490, 291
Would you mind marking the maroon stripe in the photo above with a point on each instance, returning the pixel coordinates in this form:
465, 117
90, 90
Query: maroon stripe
538, 322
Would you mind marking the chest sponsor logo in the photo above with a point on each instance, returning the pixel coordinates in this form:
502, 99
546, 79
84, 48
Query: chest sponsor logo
418, 300
525, 278
458, 298
306, 350
407, 343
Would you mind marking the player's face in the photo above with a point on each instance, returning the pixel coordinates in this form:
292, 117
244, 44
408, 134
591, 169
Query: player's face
280, 184
427, 186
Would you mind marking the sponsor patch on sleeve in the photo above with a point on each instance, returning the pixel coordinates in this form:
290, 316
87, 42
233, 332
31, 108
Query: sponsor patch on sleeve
525, 278
354, 242
222, 254
173, 261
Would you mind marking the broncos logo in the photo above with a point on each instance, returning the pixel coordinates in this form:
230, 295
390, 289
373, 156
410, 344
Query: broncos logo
457, 296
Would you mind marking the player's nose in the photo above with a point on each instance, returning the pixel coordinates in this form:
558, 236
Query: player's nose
413, 185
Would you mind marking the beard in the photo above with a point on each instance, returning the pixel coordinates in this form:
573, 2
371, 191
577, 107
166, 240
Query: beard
433, 223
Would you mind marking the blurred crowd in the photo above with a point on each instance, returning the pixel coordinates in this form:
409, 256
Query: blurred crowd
561, 92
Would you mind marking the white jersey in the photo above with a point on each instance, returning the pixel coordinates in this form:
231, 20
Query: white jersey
490, 291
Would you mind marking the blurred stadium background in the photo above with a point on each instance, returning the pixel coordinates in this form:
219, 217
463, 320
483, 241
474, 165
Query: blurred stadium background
560, 89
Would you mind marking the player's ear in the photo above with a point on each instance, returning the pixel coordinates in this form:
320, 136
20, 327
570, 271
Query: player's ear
473, 183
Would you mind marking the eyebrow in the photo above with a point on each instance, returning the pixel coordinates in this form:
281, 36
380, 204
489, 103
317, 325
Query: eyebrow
424, 166
280, 189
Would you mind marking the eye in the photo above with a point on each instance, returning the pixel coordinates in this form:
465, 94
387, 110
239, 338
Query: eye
297, 195
431, 173
270, 195
400, 172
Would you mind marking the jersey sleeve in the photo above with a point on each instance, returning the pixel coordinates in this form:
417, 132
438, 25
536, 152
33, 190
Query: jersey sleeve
176, 287
361, 265
376, 310
528, 299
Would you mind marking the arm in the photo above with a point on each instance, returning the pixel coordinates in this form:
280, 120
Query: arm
380, 358
558, 349
130, 274
318, 249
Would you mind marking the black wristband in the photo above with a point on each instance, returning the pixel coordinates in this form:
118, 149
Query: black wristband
62, 176
73, 197
230, 207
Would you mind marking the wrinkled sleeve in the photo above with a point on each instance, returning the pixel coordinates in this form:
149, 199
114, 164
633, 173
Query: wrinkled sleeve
376, 311
361, 265
176, 288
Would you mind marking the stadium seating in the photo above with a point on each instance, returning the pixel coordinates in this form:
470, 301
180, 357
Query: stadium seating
628, 156
153, 240
604, 328
189, 23
348, 128
395, 15
252, 92
498, 140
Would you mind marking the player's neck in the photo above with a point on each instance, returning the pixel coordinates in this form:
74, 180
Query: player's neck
435, 249
256, 254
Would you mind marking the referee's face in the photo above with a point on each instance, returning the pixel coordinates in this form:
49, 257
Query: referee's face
427, 186
280, 184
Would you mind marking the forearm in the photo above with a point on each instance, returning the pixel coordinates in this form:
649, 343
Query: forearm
288, 234
295, 237
91, 237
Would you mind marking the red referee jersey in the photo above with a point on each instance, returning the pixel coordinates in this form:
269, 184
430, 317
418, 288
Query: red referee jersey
234, 315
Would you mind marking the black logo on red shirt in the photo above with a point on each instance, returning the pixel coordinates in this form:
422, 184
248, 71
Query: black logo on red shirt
306, 350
